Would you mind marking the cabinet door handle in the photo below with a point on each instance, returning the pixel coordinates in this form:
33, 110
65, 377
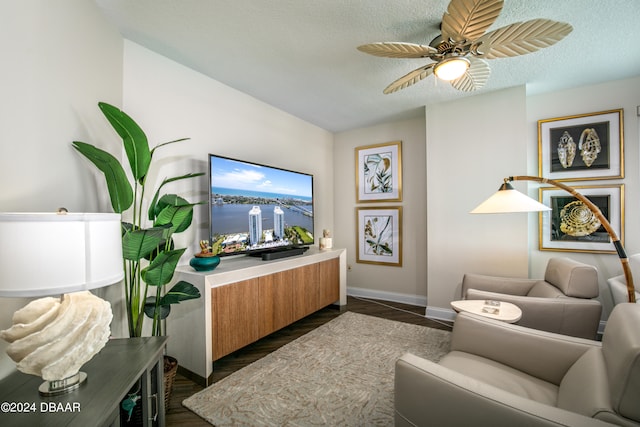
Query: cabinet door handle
154, 405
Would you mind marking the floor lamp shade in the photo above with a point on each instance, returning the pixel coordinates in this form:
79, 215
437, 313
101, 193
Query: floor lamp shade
51, 254
509, 200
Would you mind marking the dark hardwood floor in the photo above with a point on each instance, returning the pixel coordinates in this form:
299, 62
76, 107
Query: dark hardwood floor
177, 415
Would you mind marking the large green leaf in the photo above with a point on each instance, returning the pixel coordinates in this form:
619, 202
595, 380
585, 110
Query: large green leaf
133, 138
150, 309
164, 202
160, 270
166, 244
178, 216
153, 208
176, 211
120, 191
181, 291
153, 150
137, 244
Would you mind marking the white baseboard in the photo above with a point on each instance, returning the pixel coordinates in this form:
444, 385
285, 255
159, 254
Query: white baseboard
439, 313
420, 301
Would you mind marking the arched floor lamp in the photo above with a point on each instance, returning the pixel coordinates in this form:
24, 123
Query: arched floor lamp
507, 199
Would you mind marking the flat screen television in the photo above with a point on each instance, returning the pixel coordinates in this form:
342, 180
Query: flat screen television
255, 208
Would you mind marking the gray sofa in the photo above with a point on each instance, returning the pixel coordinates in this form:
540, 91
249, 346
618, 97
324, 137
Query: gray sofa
563, 302
499, 374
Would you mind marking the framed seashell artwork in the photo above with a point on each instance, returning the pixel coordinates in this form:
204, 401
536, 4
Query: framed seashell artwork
570, 226
582, 147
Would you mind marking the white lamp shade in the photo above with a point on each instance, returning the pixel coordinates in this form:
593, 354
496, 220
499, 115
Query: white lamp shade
509, 201
51, 254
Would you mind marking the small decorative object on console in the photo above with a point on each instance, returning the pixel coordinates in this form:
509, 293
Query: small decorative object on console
205, 260
326, 242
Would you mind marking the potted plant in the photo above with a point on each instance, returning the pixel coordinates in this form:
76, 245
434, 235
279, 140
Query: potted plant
149, 255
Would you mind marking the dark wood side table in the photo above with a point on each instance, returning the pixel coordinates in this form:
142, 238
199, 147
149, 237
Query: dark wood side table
121, 365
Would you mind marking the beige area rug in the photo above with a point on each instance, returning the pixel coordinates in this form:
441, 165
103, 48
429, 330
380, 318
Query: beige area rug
340, 374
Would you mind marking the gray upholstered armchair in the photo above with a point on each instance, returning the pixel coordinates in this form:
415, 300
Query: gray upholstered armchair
499, 374
618, 284
562, 302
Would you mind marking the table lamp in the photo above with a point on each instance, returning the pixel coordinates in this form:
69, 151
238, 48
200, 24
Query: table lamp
67, 254
507, 199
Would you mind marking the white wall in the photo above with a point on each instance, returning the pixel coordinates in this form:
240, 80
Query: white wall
59, 58
472, 144
407, 283
623, 94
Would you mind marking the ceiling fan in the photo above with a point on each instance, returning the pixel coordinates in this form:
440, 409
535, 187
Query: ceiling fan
460, 50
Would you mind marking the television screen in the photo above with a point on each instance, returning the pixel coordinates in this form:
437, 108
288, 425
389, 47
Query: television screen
257, 208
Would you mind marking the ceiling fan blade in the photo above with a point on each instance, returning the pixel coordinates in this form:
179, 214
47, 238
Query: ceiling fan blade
522, 38
398, 50
469, 19
411, 78
474, 78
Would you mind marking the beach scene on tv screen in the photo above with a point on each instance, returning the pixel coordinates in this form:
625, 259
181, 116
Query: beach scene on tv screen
258, 208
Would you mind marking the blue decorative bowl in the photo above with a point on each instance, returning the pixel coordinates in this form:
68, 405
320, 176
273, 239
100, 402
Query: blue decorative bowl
204, 263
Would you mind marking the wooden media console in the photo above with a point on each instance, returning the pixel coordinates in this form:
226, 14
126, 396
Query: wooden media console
245, 299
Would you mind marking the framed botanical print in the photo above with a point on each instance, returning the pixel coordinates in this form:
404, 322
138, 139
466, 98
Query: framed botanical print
582, 147
379, 172
571, 226
379, 234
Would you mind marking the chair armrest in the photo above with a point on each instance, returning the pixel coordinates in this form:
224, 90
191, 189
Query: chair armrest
577, 317
544, 355
504, 285
618, 287
427, 394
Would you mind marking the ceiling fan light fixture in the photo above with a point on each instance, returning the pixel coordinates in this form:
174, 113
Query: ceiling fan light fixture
451, 68
459, 51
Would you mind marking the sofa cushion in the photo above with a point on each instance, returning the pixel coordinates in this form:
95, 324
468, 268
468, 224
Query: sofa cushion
501, 376
544, 289
573, 278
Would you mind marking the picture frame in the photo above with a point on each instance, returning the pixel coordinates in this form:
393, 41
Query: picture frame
569, 227
379, 172
582, 147
379, 235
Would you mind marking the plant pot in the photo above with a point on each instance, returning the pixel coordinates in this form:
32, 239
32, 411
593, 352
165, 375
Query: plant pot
204, 263
170, 370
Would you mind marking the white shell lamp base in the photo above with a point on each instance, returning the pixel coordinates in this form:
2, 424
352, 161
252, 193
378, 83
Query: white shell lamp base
57, 387
53, 339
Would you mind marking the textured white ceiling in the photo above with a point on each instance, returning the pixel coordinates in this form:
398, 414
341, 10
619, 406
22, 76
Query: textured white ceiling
300, 55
